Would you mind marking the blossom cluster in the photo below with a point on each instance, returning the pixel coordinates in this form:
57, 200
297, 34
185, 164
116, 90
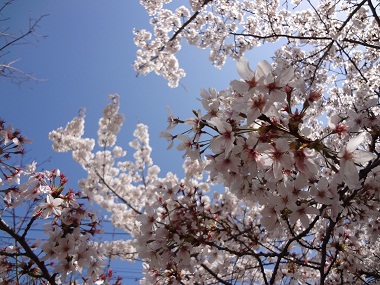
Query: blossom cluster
39, 199
316, 34
111, 182
281, 171
11, 146
299, 200
292, 181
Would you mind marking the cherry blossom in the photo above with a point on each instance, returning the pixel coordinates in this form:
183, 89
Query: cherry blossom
281, 215
350, 155
51, 206
250, 77
281, 169
276, 193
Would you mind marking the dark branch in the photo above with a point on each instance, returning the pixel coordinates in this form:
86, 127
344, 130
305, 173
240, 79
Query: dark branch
215, 275
374, 13
114, 192
28, 252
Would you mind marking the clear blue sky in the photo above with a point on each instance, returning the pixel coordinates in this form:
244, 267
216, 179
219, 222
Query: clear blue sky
83, 51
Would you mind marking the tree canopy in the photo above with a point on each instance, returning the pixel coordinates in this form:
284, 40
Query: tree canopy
294, 145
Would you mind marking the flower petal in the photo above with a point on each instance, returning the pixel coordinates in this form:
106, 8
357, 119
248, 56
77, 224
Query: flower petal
239, 86
361, 156
353, 143
244, 70
263, 69
351, 173
287, 75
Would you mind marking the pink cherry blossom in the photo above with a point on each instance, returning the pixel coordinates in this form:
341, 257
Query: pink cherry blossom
52, 206
270, 193
277, 155
224, 141
350, 155
251, 78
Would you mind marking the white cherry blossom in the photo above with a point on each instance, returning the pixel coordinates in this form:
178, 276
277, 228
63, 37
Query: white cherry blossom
349, 155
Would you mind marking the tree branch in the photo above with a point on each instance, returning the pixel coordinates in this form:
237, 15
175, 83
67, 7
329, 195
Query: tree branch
215, 275
374, 13
28, 252
30, 31
114, 192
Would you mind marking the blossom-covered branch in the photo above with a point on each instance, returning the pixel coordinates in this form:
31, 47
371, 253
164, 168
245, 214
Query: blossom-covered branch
298, 192
27, 197
328, 30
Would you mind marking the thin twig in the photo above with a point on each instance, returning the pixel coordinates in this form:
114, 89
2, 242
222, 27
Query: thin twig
114, 192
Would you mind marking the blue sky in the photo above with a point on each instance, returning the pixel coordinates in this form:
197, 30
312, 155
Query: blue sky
83, 51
